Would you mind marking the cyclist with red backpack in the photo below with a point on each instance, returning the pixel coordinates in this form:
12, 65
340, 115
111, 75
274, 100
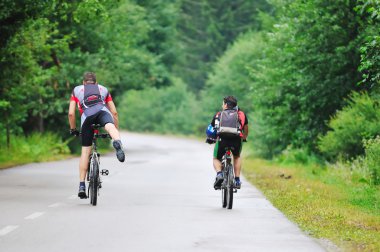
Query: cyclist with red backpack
228, 128
95, 107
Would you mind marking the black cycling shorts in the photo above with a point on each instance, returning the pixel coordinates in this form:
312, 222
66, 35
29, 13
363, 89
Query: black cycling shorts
235, 144
102, 118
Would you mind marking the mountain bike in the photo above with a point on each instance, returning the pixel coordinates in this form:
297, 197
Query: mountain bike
93, 178
228, 185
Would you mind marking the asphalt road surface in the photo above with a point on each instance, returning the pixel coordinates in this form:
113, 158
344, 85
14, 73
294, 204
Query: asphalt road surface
160, 199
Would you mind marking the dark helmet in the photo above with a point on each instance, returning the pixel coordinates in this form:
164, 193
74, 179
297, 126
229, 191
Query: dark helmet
231, 101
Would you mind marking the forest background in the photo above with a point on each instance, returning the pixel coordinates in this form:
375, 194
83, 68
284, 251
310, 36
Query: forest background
305, 72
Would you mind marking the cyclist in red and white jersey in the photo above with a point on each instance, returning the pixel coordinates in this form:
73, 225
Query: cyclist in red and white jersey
95, 107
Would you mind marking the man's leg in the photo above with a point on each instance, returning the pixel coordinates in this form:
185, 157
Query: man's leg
237, 166
115, 135
111, 129
219, 174
217, 164
237, 169
83, 165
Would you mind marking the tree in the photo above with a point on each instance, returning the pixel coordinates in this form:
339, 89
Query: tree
206, 28
310, 67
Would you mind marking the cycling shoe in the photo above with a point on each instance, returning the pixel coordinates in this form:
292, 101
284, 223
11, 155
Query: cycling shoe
218, 181
237, 184
82, 192
119, 150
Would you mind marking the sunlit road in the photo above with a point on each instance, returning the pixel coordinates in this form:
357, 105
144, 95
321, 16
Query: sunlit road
161, 199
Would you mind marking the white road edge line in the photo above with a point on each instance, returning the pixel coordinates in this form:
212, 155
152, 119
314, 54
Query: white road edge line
34, 215
7, 230
56, 204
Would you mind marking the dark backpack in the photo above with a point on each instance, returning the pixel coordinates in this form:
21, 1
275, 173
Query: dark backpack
92, 102
229, 124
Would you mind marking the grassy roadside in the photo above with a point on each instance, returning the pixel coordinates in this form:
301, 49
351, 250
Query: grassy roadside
34, 148
42, 148
323, 202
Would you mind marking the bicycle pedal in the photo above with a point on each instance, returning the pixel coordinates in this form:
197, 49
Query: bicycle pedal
104, 172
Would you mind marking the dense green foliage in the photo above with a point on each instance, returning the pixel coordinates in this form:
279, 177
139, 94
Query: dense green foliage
305, 62
168, 109
292, 64
372, 159
47, 46
206, 28
357, 121
36, 147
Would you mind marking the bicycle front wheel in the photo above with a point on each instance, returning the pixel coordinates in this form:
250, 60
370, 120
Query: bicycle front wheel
230, 197
224, 197
94, 182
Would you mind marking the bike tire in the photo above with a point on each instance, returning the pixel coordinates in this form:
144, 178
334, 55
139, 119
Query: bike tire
88, 169
230, 197
230, 188
94, 183
224, 197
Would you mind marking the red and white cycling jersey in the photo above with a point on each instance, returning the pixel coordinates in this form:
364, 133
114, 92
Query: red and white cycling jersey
78, 95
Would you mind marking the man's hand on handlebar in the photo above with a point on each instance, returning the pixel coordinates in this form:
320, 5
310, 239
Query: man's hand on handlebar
74, 132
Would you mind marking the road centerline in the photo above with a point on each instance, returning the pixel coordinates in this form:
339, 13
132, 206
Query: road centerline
6, 230
34, 215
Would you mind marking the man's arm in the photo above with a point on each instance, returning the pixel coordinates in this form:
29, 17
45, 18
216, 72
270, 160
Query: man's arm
113, 111
245, 131
71, 115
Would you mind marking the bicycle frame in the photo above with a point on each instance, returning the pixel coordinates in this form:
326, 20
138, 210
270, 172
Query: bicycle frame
93, 172
228, 169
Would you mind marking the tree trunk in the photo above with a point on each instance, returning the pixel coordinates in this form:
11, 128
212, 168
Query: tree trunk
41, 127
8, 130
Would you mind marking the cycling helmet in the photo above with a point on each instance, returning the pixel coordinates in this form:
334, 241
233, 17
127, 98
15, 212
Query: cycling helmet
211, 132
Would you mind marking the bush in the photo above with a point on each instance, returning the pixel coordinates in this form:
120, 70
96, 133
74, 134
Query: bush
357, 121
297, 156
371, 159
34, 148
164, 110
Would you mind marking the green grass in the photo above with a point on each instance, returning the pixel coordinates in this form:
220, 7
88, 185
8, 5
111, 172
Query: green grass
34, 148
325, 202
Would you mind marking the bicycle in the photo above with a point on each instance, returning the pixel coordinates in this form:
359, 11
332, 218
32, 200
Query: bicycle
228, 186
93, 178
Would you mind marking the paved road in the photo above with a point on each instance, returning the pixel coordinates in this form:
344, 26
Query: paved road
161, 199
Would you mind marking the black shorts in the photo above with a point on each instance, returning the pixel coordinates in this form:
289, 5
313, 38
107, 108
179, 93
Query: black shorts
102, 118
233, 143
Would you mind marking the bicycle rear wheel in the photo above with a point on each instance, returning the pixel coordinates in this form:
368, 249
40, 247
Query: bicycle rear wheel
89, 168
94, 182
230, 187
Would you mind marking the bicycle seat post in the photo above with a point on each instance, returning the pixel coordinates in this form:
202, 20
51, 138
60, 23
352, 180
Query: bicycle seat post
96, 133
